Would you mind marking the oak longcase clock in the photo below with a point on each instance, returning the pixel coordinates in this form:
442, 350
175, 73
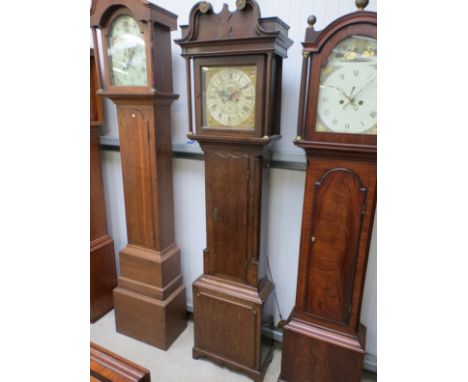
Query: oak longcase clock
103, 275
234, 113
323, 338
149, 302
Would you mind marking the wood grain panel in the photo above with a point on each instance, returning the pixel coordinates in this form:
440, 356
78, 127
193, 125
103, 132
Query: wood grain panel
223, 315
338, 201
136, 168
227, 193
106, 366
103, 277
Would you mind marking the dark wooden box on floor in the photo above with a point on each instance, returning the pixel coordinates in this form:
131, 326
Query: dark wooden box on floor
106, 366
150, 301
323, 339
231, 298
103, 276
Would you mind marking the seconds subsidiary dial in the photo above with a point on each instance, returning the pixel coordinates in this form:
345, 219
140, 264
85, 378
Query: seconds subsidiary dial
229, 97
348, 88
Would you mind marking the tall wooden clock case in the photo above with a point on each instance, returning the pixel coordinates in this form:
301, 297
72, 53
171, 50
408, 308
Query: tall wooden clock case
150, 300
103, 275
236, 59
323, 339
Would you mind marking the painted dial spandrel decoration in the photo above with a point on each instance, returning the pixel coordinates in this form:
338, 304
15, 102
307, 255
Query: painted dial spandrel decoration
127, 54
229, 97
347, 101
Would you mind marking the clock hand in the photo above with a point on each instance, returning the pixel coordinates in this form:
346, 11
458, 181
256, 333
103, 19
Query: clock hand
355, 107
222, 94
365, 86
130, 58
351, 100
337, 89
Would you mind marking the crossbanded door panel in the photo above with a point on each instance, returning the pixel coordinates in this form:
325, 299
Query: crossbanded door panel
136, 169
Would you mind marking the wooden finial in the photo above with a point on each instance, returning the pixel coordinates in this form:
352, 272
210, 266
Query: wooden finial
240, 4
361, 4
311, 20
205, 6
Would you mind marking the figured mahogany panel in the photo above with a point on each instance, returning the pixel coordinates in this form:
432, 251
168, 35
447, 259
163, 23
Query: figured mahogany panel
136, 167
227, 216
338, 202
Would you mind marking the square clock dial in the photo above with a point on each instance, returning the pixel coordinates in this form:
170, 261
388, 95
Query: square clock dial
347, 101
229, 99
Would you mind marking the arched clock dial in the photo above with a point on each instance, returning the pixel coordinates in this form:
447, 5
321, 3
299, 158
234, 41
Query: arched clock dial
347, 101
127, 53
229, 97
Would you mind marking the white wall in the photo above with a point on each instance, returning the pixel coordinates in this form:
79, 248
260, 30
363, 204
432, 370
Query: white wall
286, 186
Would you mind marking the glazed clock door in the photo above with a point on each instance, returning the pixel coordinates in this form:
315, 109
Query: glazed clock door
127, 53
229, 97
347, 101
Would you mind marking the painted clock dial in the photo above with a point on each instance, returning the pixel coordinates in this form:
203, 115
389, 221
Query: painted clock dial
229, 97
347, 101
127, 53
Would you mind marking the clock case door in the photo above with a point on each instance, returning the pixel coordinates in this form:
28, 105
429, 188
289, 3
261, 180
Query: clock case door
157, 37
316, 55
233, 61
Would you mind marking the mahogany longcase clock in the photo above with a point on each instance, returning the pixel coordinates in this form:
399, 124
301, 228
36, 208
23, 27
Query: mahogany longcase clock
150, 302
236, 61
323, 339
103, 275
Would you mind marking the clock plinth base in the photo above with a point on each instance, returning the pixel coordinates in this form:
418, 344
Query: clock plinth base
228, 324
312, 353
150, 302
103, 276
